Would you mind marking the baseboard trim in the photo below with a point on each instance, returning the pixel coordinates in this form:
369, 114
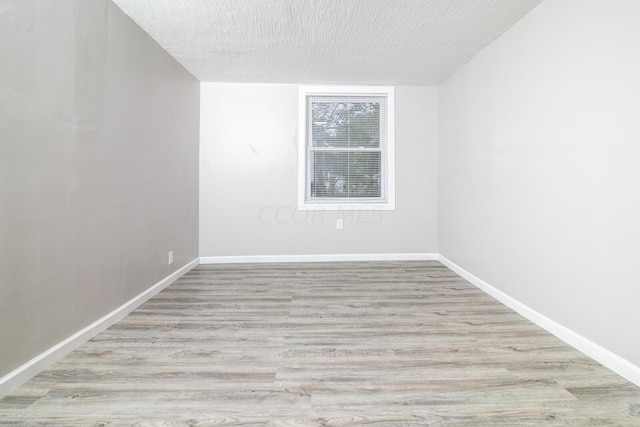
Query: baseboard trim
607, 358
22, 374
317, 258
619, 365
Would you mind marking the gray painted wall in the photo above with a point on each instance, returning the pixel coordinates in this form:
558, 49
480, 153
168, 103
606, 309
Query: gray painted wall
248, 180
539, 179
98, 168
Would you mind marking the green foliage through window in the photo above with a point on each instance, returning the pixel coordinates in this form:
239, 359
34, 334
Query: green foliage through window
345, 150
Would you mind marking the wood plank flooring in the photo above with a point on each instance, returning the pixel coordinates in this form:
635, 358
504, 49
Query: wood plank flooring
326, 344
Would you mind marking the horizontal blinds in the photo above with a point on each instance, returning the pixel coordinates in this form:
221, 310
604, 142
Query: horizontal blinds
346, 148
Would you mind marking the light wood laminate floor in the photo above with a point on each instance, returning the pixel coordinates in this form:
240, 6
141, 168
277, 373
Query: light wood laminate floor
325, 344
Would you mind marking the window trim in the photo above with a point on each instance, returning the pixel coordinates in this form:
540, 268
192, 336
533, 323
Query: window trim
385, 91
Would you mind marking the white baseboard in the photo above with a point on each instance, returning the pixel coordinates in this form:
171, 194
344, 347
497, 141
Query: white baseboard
317, 258
619, 365
607, 358
30, 369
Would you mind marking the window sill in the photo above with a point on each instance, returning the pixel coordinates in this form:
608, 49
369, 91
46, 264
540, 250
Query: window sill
347, 207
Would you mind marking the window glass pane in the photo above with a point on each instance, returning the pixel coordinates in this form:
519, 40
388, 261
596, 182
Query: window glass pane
345, 174
345, 124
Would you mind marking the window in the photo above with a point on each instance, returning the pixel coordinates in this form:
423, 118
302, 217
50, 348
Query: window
346, 152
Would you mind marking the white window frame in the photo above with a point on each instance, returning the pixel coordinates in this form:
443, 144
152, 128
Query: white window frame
303, 168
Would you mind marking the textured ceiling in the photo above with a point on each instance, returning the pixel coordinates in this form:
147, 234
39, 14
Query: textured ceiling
325, 41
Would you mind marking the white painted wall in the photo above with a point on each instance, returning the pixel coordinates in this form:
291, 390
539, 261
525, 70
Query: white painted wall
248, 179
98, 169
540, 167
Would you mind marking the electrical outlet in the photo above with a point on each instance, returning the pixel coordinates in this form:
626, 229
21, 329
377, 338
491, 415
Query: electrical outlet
339, 224
170, 257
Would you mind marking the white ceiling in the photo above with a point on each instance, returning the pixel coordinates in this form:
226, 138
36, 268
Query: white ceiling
325, 41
